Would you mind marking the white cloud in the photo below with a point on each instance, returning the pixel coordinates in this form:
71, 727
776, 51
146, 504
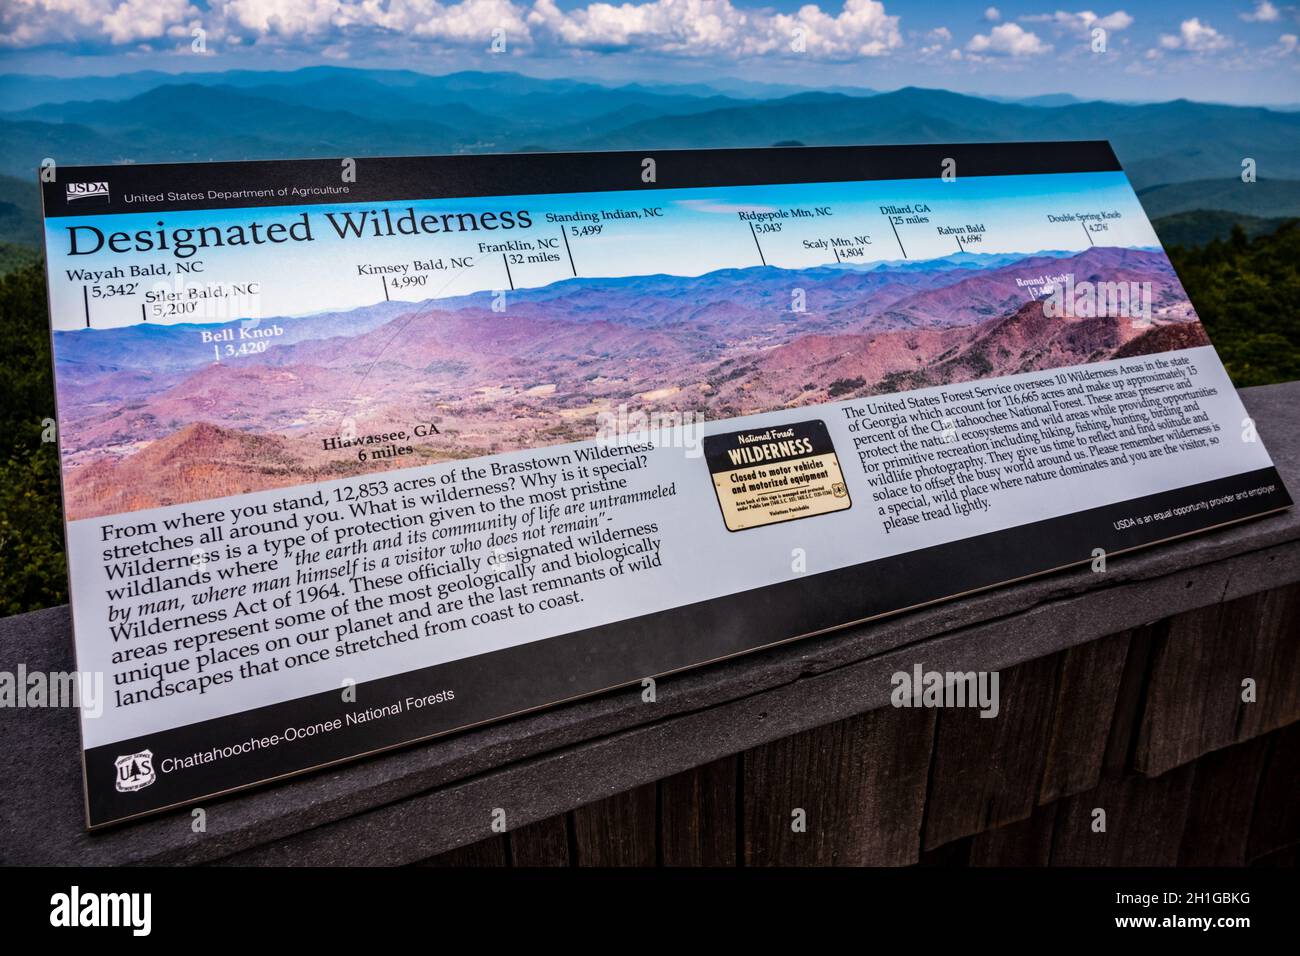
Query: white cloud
861, 29
463, 22
937, 41
1195, 37
717, 29
135, 20
470, 21
1286, 44
1008, 39
1083, 21
697, 27
1264, 12
29, 23
681, 27
677, 25
282, 17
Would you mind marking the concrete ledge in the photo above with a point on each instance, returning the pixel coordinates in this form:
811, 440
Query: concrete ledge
425, 799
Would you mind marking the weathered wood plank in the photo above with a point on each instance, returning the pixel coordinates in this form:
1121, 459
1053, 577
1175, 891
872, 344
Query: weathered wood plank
1088, 685
987, 771
618, 831
860, 783
834, 773
1276, 823
1194, 698
697, 811
1130, 702
1223, 798
1192, 695
1145, 818
1276, 664
544, 843
1024, 843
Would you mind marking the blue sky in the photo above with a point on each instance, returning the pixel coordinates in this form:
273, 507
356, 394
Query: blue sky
1242, 51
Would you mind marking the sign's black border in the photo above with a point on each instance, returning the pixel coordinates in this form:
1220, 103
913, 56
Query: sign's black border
543, 673
412, 178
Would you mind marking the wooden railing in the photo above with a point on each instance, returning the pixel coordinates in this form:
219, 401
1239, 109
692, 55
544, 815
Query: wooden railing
1121, 699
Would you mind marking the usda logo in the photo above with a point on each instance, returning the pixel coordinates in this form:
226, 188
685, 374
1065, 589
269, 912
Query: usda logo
87, 191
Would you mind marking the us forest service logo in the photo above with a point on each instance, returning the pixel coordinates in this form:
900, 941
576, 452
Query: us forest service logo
135, 772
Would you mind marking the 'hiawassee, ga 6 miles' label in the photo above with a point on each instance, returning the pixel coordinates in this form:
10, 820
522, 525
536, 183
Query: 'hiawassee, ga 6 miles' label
768, 475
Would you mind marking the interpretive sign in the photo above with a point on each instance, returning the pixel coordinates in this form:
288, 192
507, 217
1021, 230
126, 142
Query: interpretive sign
356, 453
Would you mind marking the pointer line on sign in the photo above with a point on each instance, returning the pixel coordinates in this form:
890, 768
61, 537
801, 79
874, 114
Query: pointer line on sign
85, 301
1086, 232
564, 231
384, 280
896, 239
761, 257
509, 277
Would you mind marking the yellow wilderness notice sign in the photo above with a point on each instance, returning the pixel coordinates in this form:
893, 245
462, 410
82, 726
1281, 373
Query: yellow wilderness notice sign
769, 475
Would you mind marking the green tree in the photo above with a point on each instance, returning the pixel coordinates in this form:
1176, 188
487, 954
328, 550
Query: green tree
1246, 292
31, 533
32, 572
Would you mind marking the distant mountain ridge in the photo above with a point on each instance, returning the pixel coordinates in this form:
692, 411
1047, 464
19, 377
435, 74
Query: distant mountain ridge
1180, 155
148, 415
164, 346
338, 111
330, 110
